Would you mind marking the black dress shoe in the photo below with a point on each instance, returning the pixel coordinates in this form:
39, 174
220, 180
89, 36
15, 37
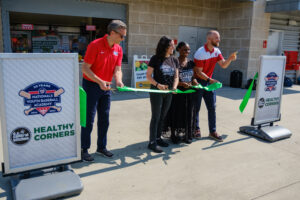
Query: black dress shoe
87, 157
175, 140
155, 148
188, 141
104, 152
162, 143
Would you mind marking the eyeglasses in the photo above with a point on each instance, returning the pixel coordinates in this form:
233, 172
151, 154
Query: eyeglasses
186, 49
121, 36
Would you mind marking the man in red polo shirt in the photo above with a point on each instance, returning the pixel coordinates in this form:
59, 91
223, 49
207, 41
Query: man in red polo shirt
205, 60
102, 61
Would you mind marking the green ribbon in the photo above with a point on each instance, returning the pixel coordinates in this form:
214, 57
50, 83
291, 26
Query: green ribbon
82, 102
130, 89
210, 87
247, 95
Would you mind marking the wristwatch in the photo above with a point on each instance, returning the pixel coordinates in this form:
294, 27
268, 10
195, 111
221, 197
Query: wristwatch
208, 80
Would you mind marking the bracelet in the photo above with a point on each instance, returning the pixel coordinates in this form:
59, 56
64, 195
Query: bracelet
156, 84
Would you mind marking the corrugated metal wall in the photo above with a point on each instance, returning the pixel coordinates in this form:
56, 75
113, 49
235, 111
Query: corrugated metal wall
290, 25
291, 32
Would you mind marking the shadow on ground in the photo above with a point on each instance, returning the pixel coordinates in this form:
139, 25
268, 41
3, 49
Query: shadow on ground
290, 91
5, 185
238, 93
138, 152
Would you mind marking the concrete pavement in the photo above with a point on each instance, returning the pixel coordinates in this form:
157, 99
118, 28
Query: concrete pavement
242, 167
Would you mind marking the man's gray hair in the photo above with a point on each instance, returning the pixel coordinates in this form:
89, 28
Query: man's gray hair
116, 25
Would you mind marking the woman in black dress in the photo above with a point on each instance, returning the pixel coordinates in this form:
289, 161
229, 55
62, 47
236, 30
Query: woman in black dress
181, 116
162, 72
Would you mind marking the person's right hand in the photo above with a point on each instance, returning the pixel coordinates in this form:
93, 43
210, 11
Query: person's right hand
195, 82
233, 56
162, 87
104, 85
186, 85
213, 81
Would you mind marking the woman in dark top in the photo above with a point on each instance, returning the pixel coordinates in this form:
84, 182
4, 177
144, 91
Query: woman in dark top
181, 116
164, 68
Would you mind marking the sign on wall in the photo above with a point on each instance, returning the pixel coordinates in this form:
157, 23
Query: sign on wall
45, 43
269, 90
27, 27
39, 110
90, 27
140, 66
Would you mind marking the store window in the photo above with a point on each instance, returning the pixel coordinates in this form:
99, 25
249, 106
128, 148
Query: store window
42, 33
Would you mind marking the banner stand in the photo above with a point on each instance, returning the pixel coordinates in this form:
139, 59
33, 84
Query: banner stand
40, 124
46, 184
268, 101
269, 133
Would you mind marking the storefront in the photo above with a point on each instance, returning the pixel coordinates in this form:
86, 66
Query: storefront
42, 27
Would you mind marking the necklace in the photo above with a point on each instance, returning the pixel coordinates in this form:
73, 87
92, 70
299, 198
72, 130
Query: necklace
183, 63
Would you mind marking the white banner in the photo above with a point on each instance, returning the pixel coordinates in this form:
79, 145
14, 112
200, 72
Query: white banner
269, 89
39, 110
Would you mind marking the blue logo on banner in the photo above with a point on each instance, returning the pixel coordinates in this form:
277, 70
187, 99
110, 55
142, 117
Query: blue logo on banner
42, 98
271, 81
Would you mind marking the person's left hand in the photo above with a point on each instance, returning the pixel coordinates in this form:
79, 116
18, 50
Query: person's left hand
120, 84
173, 89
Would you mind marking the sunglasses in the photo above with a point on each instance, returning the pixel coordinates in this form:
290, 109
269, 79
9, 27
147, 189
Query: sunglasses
121, 36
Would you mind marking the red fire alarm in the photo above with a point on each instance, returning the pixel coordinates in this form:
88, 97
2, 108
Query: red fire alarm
265, 44
175, 41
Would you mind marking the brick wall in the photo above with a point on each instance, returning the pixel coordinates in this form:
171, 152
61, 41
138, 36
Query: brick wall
235, 31
149, 20
259, 33
243, 26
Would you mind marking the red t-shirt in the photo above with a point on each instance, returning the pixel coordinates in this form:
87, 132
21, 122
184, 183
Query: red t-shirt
103, 58
207, 60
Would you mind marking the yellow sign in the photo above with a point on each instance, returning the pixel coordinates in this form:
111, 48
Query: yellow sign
140, 70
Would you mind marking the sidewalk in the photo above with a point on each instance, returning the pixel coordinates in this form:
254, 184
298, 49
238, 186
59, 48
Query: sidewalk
241, 167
